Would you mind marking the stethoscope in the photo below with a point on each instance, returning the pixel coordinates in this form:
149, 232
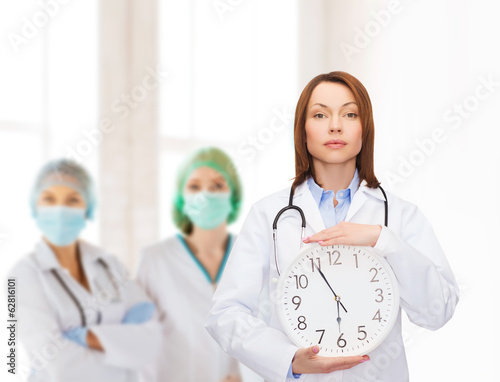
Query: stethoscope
302, 216
76, 301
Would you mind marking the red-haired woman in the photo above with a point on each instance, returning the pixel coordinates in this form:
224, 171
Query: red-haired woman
336, 187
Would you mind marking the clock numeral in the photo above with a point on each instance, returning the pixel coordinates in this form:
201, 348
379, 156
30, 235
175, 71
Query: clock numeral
380, 291
377, 316
362, 331
336, 262
295, 302
356, 257
301, 281
322, 334
374, 280
302, 323
341, 343
312, 263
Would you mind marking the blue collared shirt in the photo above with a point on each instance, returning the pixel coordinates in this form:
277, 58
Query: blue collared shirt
333, 215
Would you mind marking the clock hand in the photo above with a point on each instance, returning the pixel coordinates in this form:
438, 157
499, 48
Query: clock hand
338, 315
327, 283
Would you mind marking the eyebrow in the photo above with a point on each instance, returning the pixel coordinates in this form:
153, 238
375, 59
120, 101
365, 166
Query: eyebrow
326, 107
74, 192
219, 178
198, 180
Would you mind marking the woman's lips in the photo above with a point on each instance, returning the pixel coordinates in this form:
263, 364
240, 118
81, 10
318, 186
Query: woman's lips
335, 144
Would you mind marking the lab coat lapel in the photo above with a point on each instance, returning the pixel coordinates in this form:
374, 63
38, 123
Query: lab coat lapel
357, 202
304, 199
363, 194
44, 256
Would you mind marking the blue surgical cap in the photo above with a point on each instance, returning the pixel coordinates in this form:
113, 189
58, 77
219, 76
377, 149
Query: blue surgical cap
65, 172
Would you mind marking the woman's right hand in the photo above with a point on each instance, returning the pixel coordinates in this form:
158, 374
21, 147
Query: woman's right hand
306, 361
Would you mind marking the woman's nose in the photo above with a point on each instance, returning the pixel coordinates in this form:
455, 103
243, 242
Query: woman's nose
335, 126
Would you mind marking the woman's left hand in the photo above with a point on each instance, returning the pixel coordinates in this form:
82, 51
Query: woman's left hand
347, 233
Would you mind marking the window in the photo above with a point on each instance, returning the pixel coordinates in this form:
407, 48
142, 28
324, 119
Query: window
233, 84
48, 73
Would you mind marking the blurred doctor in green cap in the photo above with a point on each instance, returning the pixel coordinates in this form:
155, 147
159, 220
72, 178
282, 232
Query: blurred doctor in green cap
180, 273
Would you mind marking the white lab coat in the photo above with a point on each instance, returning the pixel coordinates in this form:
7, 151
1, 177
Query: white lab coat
244, 319
45, 310
183, 294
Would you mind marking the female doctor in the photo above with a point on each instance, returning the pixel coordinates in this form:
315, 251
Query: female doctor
337, 189
80, 316
180, 273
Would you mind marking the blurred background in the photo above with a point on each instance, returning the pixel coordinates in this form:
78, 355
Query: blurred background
129, 87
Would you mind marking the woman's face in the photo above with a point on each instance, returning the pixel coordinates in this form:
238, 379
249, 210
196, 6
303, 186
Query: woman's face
333, 125
205, 179
59, 195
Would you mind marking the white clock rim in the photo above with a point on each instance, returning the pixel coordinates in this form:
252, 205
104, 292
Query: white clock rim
391, 321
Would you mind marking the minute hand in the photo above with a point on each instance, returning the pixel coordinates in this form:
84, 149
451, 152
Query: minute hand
327, 283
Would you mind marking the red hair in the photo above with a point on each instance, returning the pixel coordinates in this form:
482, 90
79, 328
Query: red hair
364, 161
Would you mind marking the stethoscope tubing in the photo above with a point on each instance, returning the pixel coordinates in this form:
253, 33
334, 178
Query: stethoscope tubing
78, 304
290, 206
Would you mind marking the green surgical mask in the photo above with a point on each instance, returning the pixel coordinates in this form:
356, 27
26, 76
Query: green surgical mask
207, 210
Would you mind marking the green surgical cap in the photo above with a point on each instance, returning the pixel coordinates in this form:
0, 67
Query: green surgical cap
217, 159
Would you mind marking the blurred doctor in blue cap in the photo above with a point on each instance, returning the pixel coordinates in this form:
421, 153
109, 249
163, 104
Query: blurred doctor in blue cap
81, 317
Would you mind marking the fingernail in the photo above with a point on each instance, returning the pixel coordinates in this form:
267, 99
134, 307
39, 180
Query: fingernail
305, 239
365, 358
316, 349
321, 242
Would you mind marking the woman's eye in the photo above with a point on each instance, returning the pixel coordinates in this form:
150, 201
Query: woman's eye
193, 187
319, 116
351, 115
217, 187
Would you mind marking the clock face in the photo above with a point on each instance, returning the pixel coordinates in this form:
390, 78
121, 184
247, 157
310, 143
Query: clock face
342, 298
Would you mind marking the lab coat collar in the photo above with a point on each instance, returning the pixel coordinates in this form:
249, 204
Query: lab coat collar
47, 259
44, 256
304, 199
361, 196
374, 192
